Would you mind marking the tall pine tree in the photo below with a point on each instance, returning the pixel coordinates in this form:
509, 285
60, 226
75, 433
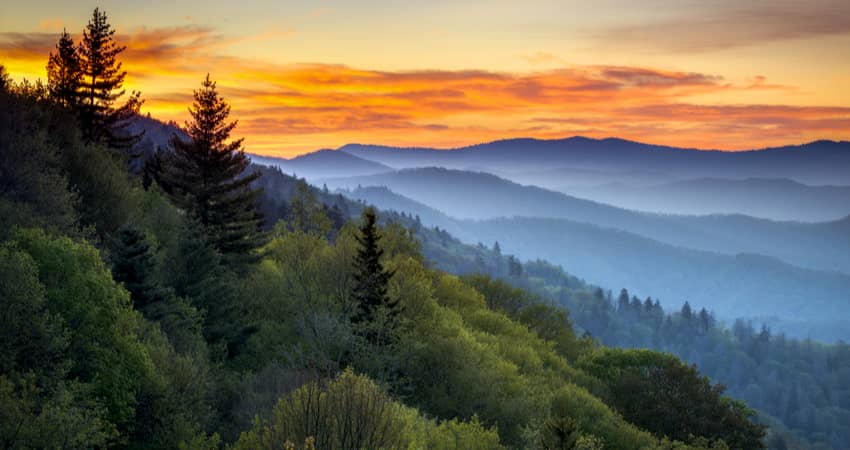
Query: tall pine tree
100, 120
64, 73
370, 292
205, 176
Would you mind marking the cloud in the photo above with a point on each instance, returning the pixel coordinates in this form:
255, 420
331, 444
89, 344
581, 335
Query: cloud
294, 108
723, 24
27, 46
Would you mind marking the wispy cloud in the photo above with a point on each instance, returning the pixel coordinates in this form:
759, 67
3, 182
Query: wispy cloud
717, 25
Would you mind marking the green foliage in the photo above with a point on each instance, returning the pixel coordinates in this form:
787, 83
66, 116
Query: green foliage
645, 387
108, 197
805, 403
135, 267
134, 264
79, 367
306, 213
544, 318
564, 434
62, 417
197, 274
102, 342
34, 187
352, 412
174, 401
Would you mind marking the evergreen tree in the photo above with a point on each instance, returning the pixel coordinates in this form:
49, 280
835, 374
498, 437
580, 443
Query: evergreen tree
705, 320
100, 120
197, 274
623, 301
134, 266
370, 292
205, 177
64, 73
687, 313
635, 306
647, 306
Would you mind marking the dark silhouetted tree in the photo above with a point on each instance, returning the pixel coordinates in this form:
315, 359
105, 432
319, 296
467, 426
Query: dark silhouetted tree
205, 177
5, 82
370, 292
64, 73
101, 120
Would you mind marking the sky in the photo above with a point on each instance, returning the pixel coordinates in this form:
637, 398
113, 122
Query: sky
721, 74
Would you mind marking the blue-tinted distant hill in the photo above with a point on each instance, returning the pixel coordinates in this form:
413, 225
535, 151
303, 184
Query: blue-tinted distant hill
801, 302
817, 163
323, 164
777, 199
481, 196
388, 200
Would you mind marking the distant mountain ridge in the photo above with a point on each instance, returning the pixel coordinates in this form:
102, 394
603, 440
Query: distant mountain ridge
818, 162
798, 301
482, 196
776, 199
322, 164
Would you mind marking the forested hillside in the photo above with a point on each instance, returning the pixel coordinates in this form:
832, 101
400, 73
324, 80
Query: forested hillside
744, 357
150, 304
801, 302
755, 363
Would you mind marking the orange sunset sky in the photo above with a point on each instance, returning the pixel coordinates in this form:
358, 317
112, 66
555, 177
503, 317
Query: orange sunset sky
306, 75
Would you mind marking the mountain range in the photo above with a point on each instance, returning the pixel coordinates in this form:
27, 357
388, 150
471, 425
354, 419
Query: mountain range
776, 199
801, 302
323, 164
817, 163
576, 202
481, 196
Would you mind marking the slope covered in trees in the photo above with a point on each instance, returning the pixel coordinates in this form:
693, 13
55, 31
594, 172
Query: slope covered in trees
727, 357
127, 325
801, 302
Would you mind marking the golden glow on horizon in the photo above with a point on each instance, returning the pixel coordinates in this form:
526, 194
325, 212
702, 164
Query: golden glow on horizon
683, 93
